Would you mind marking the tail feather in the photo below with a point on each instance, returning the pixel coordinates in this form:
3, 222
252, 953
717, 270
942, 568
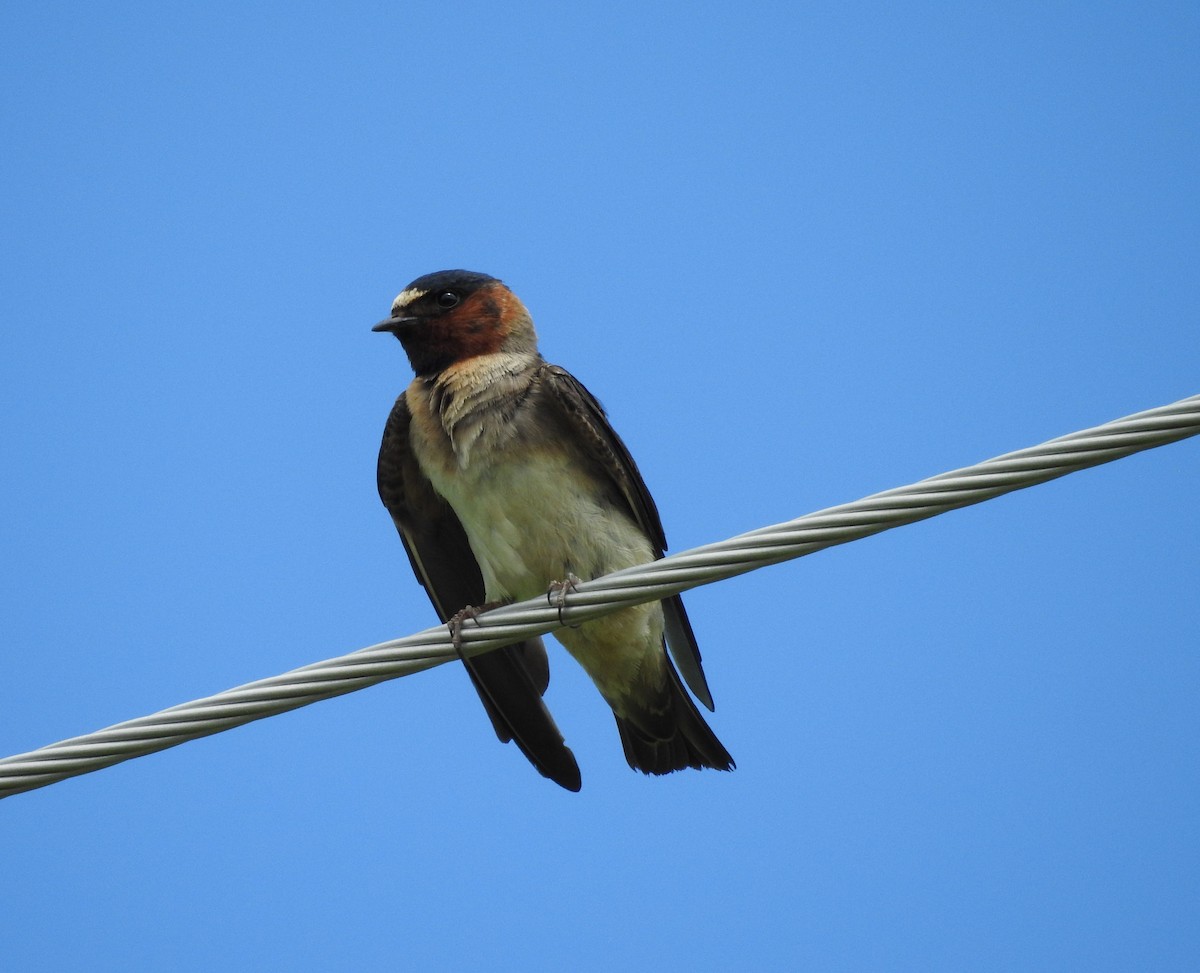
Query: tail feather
675, 737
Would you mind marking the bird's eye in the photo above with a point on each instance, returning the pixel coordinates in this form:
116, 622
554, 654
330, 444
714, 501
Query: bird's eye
447, 299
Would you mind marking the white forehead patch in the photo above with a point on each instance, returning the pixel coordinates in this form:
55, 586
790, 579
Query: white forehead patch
405, 298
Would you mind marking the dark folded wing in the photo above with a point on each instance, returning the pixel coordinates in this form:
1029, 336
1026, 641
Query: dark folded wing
510, 681
585, 417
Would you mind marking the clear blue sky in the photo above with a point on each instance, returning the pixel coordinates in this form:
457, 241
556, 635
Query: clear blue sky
803, 252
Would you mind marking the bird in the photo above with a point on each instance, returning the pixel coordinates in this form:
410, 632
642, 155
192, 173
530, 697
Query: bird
506, 481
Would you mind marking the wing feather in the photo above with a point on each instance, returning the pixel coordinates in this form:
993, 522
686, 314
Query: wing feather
510, 681
587, 420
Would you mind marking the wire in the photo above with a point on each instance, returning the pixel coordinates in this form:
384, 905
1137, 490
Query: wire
591, 599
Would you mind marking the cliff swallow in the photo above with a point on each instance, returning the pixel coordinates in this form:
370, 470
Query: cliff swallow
504, 477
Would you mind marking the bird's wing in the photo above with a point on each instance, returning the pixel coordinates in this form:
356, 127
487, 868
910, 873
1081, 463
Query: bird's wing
510, 681
589, 425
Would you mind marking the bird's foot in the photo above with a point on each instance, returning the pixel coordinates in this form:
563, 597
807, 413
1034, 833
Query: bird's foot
460, 618
556, 595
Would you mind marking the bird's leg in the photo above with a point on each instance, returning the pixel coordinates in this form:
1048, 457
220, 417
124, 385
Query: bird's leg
460, 618
556, 594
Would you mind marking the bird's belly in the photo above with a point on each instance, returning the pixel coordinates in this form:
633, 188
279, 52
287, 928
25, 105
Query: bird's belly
536, 519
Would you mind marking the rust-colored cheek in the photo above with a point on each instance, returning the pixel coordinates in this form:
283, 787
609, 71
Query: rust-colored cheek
473, 328
478, 326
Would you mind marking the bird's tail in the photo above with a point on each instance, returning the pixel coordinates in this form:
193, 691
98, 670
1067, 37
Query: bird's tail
672, 735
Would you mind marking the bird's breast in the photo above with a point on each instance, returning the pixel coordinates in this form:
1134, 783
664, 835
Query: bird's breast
533, 510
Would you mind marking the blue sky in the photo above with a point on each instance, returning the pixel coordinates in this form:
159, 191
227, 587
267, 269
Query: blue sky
802, 252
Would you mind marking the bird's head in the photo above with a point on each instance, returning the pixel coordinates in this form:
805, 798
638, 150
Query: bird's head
453, 315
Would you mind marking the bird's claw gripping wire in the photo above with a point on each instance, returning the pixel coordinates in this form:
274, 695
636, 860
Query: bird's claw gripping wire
556, 595
459, 619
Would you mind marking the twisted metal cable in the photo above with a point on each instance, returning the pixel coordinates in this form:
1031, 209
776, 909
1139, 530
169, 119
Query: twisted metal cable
591, 599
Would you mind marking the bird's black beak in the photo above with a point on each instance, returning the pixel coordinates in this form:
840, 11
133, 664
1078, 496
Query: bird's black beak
393, 324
